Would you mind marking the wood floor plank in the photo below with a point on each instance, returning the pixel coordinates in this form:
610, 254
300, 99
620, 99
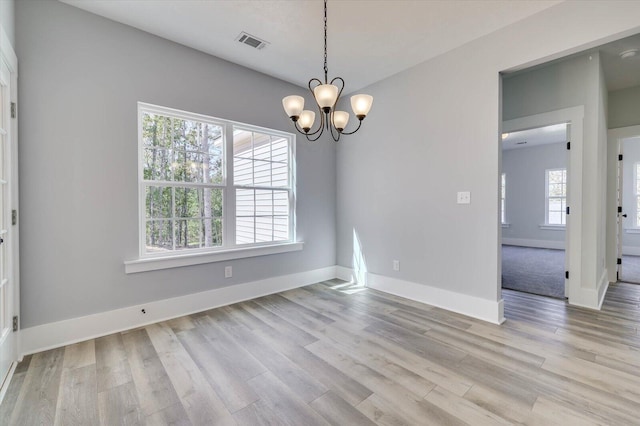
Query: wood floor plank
202, 405
80, 354
11, 397
119, 406
344, 386
295, 378
337, 353
78, 402
112, 367
174, 415
155, 390
232, 355
283, 403
547, 412
338, 412
38, 398
234, 392
463, 409
414, 408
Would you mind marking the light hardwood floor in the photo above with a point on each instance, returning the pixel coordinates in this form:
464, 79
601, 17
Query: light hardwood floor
333, 354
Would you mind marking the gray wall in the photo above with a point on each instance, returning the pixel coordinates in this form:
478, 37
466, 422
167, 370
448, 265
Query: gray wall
80, 79
7, 19
525, 196
551, 87
624, 107
433, 131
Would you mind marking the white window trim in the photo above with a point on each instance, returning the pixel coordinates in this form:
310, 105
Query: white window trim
548, 227
546, 224
187, 259
229, 250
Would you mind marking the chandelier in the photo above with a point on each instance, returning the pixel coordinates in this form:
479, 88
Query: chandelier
326, 95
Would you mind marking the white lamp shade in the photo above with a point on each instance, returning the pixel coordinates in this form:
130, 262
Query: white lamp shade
306, 119
326, 95
361, 104
340, 119
293, 105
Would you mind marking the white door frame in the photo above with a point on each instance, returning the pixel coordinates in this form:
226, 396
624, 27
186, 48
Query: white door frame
614, 226
8, 56
573, 116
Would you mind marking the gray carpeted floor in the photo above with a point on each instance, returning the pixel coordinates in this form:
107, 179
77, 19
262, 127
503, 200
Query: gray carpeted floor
630, 269
533, 270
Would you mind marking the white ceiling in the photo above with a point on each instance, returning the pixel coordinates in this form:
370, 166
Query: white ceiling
621, 73
535, 137
368, 40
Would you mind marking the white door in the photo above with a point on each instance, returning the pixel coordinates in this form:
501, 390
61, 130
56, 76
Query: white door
7, 287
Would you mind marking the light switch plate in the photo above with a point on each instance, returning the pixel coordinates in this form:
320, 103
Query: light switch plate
464, 197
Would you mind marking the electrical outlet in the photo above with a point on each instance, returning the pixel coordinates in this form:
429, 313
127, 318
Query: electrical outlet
396, 265
228, 271
464, 197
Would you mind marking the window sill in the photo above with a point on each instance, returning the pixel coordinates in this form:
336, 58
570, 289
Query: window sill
553, 227
632, 230
177, 261
505, 225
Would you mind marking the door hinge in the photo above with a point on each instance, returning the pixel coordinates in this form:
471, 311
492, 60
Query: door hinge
619, 209
569, 145
568, 210
13, 110
14, 217
15, 323
619, 261
619, 157
566, 274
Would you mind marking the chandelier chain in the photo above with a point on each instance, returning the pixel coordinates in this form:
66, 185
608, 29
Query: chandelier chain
326, 69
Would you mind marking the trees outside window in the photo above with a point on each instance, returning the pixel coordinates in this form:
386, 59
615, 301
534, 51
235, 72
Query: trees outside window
194, 199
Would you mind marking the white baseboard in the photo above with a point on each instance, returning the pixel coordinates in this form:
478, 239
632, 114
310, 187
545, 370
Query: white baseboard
345, 274
61, 333
631, 251
523, 242
591, 298
483, 309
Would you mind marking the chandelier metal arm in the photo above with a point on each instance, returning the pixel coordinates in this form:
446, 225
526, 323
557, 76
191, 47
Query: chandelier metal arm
336, 136
357, 128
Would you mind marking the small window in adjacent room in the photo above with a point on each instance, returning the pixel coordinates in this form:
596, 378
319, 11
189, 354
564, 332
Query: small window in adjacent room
503, 192
195, 197
556, 197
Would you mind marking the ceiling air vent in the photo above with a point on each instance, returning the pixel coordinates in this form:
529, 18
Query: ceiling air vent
252, 41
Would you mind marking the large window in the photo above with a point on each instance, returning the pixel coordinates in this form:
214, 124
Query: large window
556, 197
208, 184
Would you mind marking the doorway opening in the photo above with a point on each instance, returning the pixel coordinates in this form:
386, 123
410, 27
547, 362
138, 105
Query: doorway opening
534, 193
629, 215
